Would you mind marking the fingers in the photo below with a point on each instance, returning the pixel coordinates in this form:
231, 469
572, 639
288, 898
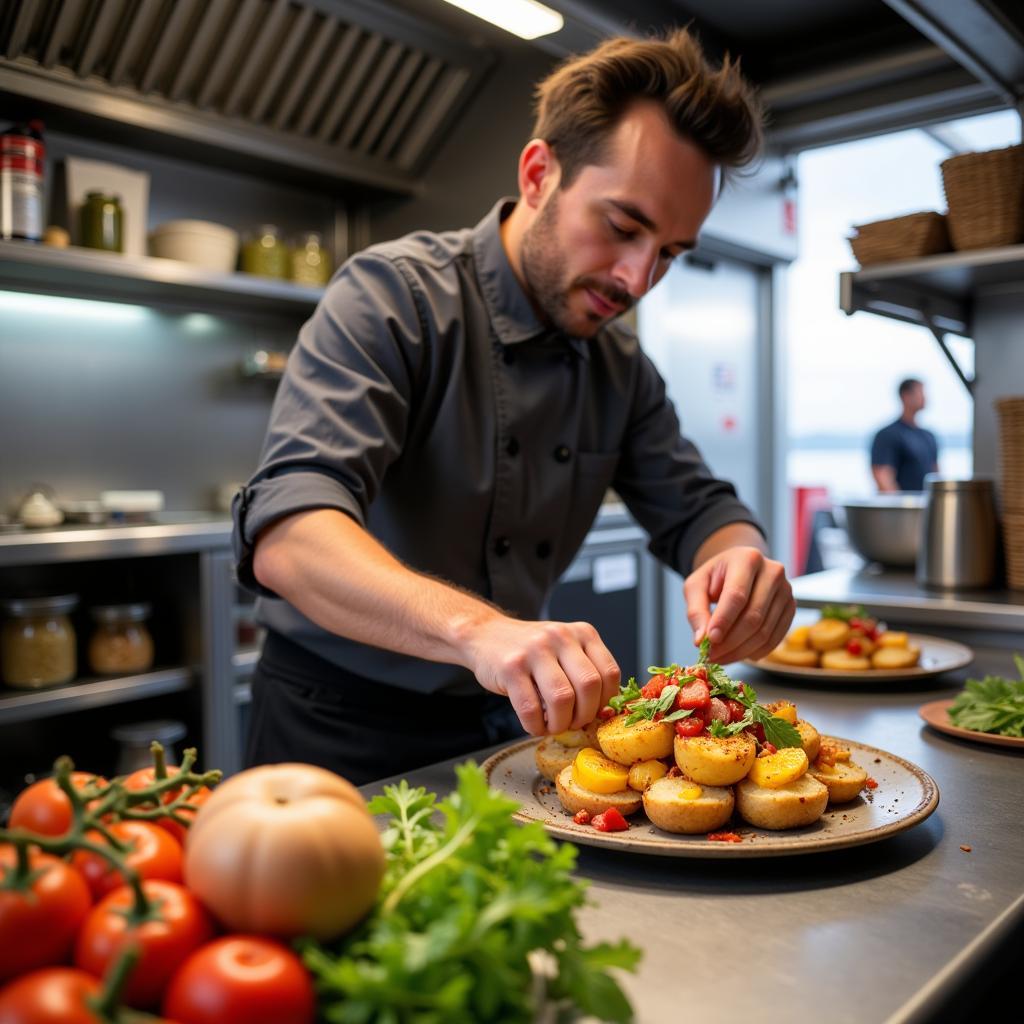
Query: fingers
741, 573
698, 597
763, 622
560, 677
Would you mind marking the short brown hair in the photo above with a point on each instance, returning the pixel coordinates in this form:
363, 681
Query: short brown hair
581, 101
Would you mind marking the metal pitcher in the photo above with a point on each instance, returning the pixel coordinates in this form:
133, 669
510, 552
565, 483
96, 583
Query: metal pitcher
959, 534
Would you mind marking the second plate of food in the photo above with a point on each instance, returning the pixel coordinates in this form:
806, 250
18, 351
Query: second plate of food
937, 656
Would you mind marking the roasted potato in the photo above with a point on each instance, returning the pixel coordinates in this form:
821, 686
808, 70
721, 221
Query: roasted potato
575, 798
801, 657
842, 660
646, 773
828, 634
711, 761
681, 805
800, 803
552, 756
896, 657
844, 779
641, 741
809, 738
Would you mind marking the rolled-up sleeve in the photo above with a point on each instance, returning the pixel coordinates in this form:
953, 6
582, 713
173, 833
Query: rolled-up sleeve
341, 412
665, 482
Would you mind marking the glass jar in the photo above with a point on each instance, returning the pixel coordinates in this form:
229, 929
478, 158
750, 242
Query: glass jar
37, 642
264, 253
102, 222
310, 263
121, 641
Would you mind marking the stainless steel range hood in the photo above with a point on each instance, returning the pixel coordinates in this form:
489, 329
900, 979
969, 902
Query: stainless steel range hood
343, 91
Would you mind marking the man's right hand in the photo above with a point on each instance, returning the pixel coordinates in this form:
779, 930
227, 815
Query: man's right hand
557, 675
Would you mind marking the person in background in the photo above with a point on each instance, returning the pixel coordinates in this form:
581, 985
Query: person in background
451, 418
903, 453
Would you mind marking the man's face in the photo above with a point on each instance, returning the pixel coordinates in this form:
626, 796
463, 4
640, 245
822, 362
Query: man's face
594, 248
915, 398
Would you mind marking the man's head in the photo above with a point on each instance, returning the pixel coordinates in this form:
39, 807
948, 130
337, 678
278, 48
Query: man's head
912, 396
631, 145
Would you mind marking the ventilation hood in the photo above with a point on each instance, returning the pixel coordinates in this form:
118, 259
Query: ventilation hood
348, 92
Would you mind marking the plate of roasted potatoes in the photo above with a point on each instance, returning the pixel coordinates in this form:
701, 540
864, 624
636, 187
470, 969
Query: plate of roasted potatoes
847, 644
691, 765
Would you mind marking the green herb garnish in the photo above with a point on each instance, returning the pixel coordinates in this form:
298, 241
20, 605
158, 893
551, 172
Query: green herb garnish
992, 704
845, 612
469, 907
629, 692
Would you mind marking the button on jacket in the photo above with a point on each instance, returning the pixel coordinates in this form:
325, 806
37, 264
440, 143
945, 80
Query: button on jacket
426, 400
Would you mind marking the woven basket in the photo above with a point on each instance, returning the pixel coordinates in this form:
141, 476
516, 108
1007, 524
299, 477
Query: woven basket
900, 238
1013, 539
985, 195
1010, 413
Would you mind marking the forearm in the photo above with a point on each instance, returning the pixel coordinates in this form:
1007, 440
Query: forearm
342, 578
731, 536
885, 478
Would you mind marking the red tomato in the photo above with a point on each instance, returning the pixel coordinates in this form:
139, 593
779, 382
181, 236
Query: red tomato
246, 979
38, 926
55, 995
694, 695
184, 926
609, 821
153, 852
757, 731
736, 710
146, 777
690, 726
652, 691
697, 670
854, 647
606, 712
44, 808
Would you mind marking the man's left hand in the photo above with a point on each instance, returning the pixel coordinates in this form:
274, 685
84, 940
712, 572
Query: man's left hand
753, 599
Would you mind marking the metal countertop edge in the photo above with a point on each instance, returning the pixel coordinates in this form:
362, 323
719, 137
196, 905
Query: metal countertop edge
926, 1005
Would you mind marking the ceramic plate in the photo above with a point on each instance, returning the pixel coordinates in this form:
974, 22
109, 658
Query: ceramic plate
905, 797
937, 656
935, 714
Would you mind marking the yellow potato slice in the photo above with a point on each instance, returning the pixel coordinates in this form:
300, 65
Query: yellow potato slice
798, 636
783, 709
645, 773
593, 771
773, 771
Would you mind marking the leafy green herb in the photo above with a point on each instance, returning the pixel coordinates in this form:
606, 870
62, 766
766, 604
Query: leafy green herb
629, 692
705, 651
649, 708
475, 918
777, 731
992, 704
720, 729
845, 612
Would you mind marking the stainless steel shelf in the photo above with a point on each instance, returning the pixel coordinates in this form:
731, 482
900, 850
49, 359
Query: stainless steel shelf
935, 292
87, 273
86, 543
898, 596
22, 706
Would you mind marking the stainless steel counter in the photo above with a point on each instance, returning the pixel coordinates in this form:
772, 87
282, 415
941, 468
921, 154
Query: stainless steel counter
898, 596
894, 931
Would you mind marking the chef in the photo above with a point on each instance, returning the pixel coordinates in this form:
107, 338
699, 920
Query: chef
452, 416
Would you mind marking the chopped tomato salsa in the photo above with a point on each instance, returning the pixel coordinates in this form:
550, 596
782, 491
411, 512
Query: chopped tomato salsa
871, 784
609, 821
724, 837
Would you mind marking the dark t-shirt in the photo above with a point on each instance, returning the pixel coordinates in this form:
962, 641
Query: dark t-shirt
911, 451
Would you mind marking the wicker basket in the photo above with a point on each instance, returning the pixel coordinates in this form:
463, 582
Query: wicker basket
985, 195
900, 238
1010, 412
1013, 539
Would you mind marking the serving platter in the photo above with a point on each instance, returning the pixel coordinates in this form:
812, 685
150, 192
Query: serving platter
906, 795
936, 714
937, 656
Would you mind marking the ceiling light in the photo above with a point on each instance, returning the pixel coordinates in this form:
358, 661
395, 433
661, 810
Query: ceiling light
527, 19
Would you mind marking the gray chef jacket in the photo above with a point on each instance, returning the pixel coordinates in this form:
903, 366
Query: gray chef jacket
426, 400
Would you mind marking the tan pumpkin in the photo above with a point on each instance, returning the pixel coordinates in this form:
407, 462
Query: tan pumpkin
286, 850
